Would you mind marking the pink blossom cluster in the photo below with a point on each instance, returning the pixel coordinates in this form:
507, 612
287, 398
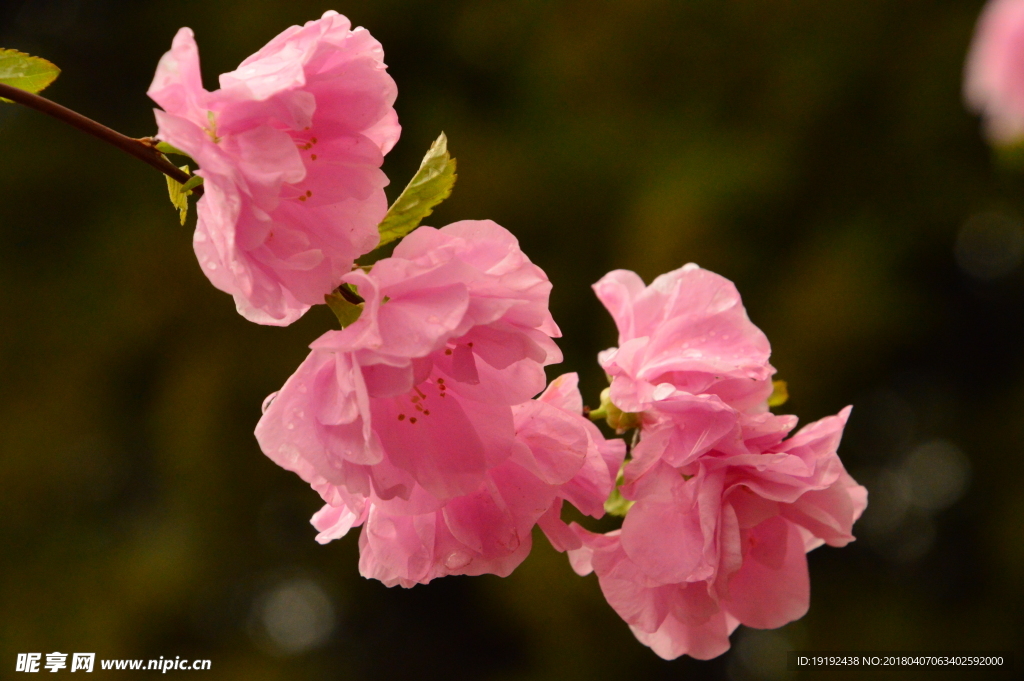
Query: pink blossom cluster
420, 421
725, 507
290, 149
417, 421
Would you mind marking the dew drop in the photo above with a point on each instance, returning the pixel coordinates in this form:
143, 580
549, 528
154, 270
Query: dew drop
457, 559
291, 426
266, 402
211, 266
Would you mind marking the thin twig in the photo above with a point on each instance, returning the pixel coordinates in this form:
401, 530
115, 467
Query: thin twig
143, 149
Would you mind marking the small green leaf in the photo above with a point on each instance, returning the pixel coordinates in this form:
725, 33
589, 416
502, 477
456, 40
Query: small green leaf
780, 393
616, 504
25, 72
179, 194
431, 185
345, 310
165, 148
192, 183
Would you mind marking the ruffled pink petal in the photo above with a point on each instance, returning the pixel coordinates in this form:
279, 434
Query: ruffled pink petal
703, 641
773, 587
662, 532
178, 83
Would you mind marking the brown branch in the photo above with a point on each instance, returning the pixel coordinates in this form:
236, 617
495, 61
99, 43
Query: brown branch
143, 149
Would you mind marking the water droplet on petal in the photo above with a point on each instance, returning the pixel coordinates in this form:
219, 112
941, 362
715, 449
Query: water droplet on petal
663, 390
211, 266
457, 559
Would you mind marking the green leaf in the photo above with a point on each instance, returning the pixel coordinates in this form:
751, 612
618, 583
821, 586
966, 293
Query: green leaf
179, 193
616, 504
192, 183
165, 148
431, 185
780, 393
25, 72
345, 310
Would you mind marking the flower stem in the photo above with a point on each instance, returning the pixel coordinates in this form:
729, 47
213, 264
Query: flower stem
143, 149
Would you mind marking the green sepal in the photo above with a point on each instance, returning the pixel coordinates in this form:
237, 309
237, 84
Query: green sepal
179, 193
344, 309
616, 504
165, 148
25, 72
431, 185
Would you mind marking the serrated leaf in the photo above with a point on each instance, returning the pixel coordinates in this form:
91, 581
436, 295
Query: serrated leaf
25, 72
179, 194
165, 148
431, 185
345, 310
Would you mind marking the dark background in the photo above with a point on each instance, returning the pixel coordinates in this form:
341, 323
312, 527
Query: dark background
816, 152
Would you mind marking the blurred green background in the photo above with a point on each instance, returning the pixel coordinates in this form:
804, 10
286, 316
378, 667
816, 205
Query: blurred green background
816, 152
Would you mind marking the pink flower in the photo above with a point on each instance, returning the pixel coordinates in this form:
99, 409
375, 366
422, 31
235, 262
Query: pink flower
722, 541
290, 149
687, 331
994, 72
417, 419
724, 507
557, 455
418, 392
